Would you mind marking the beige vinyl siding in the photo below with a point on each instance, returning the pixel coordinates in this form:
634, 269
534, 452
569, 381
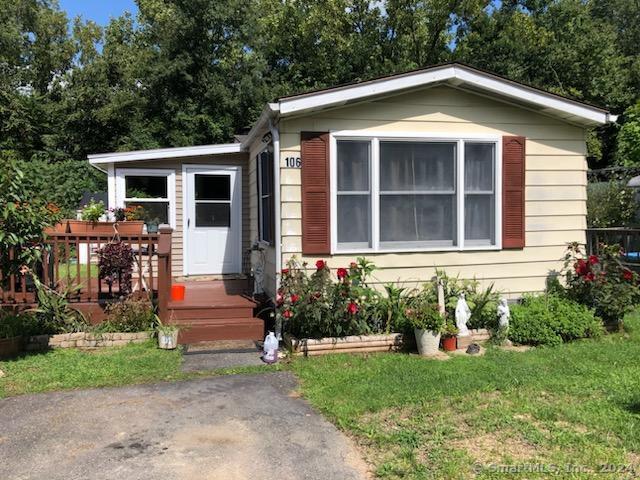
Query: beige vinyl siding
555, 184
177, 244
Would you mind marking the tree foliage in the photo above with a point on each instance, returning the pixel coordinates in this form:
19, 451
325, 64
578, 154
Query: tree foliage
187, 73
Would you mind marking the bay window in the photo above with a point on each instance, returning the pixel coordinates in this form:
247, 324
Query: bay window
415, 193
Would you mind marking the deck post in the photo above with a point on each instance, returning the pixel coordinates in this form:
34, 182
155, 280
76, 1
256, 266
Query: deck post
164, 271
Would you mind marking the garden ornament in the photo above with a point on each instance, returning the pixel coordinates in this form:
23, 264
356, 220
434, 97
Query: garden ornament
504, 314
463, 314
473, 349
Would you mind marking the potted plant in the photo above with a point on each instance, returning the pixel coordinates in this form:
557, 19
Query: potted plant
427, 323
167, 335
128, 220
449, 339
153, 224
91, 215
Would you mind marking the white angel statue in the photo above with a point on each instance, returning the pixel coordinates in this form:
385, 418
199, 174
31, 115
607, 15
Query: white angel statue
463, 314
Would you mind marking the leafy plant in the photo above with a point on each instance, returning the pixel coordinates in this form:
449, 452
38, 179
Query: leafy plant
611, 204
22, 219
54, 313
93, 211
18, 324
551, 320
600, 282
129, 315
450, 329
115, 263
423, 314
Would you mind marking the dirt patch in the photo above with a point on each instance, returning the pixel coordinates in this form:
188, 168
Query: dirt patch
493, 448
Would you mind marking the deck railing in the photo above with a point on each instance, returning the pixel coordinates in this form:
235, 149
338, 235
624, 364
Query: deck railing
627, 238
72, 259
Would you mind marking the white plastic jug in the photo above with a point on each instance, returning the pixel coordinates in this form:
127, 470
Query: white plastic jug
270, 349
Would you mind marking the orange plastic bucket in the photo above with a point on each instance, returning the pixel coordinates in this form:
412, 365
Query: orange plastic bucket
177, 292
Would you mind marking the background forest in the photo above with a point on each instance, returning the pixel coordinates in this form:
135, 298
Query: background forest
189, 72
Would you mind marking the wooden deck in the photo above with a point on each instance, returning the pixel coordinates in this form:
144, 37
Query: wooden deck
215, 310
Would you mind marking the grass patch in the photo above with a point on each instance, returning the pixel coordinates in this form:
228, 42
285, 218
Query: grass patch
576, 404
70, 368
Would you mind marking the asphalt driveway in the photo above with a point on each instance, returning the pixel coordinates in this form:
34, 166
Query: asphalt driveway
233, 427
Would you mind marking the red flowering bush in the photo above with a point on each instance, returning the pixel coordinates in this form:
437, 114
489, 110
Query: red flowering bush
600, 282
319, 304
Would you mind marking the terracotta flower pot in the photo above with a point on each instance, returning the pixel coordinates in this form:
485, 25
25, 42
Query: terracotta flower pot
61, 227
82, 226
133, 227
449, 343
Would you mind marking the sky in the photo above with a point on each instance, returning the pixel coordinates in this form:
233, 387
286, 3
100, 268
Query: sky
100, 11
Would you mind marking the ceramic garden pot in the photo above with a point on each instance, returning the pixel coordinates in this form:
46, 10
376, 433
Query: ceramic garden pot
427, 341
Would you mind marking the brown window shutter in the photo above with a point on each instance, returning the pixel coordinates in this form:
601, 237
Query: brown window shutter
513, 175
316, 225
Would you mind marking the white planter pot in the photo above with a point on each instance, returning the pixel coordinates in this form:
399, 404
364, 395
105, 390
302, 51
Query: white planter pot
168, 341
427, 341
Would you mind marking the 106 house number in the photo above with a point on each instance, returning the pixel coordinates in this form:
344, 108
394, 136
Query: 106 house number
292, 162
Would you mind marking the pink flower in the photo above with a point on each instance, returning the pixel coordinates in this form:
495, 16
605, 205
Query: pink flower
320, 264
279, 299
294, 298
342, 273
287, 314
352, 308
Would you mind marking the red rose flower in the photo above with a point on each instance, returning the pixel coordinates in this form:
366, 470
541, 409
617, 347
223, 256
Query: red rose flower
627, 275
342, 273
320, 264
581, 267
287, 314
295, 298
352, 308
593, 259
589, 277
285, 271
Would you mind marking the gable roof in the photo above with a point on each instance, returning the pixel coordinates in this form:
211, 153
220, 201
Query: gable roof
454, 74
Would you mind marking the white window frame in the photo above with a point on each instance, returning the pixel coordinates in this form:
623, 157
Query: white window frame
261, 196
170, 175
375, 138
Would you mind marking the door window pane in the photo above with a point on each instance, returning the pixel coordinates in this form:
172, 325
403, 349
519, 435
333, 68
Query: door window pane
354, 224
414, 166
213, 215
212, 187
152, 212
142, 186
353, 166
426, 219
478, 167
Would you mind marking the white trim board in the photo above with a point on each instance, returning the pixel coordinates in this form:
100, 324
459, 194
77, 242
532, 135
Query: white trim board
165, 153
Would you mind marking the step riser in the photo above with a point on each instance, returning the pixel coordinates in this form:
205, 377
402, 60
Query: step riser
201, 313
203, 333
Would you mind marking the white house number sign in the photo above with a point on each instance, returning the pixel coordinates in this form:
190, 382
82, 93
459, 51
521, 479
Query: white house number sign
292, 162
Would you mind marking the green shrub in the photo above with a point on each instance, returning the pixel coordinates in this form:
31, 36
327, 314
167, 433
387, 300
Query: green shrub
423, 314
130, 315
551, 320
611, 204
16, 325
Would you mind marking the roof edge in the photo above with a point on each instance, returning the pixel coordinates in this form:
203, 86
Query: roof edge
165, 153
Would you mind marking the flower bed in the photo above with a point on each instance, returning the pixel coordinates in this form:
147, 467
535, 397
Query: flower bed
85, 340
351, 344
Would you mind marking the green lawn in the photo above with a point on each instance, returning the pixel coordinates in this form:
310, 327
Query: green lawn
71, 368
577, 404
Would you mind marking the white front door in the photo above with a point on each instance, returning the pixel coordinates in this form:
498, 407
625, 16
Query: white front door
213, 242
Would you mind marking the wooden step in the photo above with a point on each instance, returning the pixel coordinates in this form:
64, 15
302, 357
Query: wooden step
200, 330
224, 312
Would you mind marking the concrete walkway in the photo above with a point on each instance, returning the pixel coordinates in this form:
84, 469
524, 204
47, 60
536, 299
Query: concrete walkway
227, 428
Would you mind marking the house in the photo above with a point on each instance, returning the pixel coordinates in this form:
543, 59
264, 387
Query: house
445, 167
